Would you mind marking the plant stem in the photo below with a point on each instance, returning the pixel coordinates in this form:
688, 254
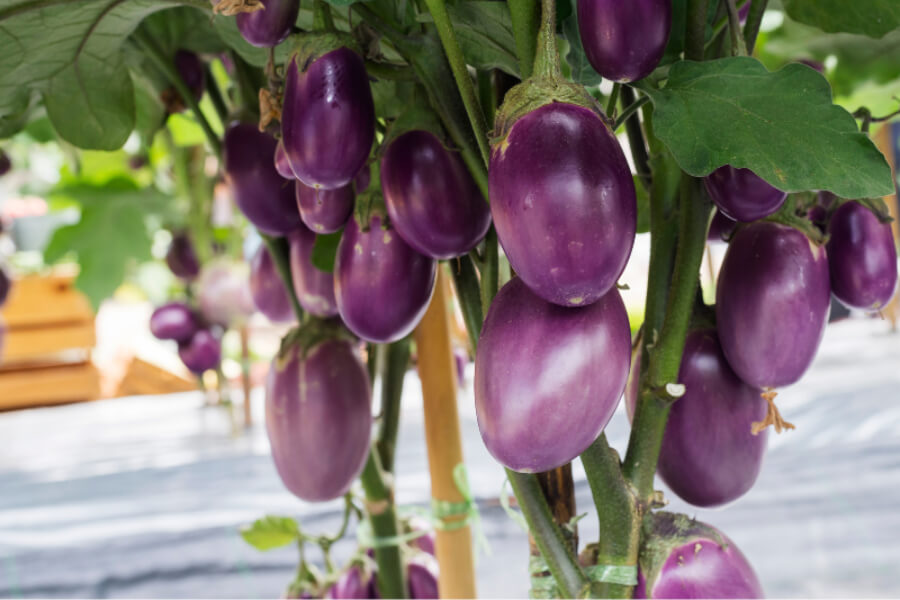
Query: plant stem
628, 111
754, 20
468, 292
396, 361
695, 29
438, 10
487, 94
390, 71
546, 60
215, 95
613, 99
383, 518
279, 250
636, 139
146, 42
526, 19
738, 48
322, 20
490, 270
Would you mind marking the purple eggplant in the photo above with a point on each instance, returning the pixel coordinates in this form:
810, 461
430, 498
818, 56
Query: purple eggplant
314, 288
174, 321
265, 197
548, 378
721, 227
354, 583
270, 26
324, 211
683, 558
565, 219
862, 257
426, 542
5, 163
422, 577
709, 456
328, 118
202, 352
224, 292
382, 286
181, 257
772, 303
267, 288
432, 200
192, 72
318, 417
362, 180
281, 162
5, 285
624, 41
743, 195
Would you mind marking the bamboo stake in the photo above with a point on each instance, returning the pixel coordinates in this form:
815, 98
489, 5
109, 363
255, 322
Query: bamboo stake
443, 438
245, 375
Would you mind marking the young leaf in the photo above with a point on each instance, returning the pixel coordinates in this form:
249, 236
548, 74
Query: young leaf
873, 18
271, 532
325, 250
781, 125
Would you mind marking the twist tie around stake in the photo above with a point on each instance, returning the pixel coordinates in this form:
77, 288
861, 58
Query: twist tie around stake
442, 510
367, 539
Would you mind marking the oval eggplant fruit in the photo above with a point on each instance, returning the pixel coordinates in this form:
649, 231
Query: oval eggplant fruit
265, 197
431, 198
202, 352
328, 118
354, 584
422, 577
181, 257
862, 257
224, 292
548, 378
382, 286
742, 195
281, 162
324, 211
318, 417
624, 41
174, 321
267, 288
269, 26
314, 288
565, 219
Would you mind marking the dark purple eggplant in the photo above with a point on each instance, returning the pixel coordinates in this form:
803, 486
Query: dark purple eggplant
314, 288
270, 26
743, 195
182, 258
174, 321
224, 292
321, 210
202, 352
281, 162
5, 163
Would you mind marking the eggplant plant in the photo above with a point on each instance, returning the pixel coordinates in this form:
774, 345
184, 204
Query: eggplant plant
368, 141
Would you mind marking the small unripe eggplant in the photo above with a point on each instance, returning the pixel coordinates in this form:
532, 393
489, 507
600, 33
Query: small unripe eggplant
314, 288
267, 288
354, 584
624, 40
548, 378
174, 321
862, 257
321, 210
270, 26
202, 352
182, 258
742, 194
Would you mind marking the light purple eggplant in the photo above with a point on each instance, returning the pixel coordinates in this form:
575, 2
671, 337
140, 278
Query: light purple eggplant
328, 118
182, 258
354, 583
281, 162
548, 378
174, 321
224, 292
565, 218
624, 41
265, 197
683, 558
202, 352
382, 286
862, 257
426, 542
314, 288
321, 210
318, 417
422, 577
432, 200
743, 195
270, 26
267, 288
709, 456
772, 302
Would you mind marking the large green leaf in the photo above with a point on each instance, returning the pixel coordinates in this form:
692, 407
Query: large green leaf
782, 125
484, 32
873, 18
69, 52
581, 70
271, 532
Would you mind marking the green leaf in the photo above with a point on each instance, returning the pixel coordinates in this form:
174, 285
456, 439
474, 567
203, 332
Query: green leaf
484, 31
581, 70
271, 532
781, 125
69, 52
873, 18
325, 250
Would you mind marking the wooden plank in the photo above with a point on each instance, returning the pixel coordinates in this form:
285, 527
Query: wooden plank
30, 343
43, 299
41, 386
143, 377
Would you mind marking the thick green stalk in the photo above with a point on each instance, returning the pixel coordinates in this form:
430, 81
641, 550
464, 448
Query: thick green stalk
396, 361
695, 29
468, 292
546, 59
636, 138
279, 249
754, 20
215, 96
526, 19
438, 10
487, 94
383, 518
613, 100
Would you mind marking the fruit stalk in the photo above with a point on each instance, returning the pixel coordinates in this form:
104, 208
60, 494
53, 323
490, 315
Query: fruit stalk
383, 518
468, 292
279, 250
695, 29
546, 60
754, 19
526, 18
738, 47
635, 136
396, 361
490, 269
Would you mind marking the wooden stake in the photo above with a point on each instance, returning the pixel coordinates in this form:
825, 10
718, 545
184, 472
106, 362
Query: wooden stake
245, 375
437, 371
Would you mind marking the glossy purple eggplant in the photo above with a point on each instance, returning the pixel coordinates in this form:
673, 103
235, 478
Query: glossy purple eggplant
720, 228
328, 118
422, 577
354, 583
382, 286
202, 352
683, 558
624, 41
565, 219
862, 257
709, 456
5, 285
772, 302
270, 26
318, 417
224, 292
267, 288
432, 200
548, 378
265, 197
5, 163
174, 321
321, 210
181, 257
742, 195
281, 162
314, 288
